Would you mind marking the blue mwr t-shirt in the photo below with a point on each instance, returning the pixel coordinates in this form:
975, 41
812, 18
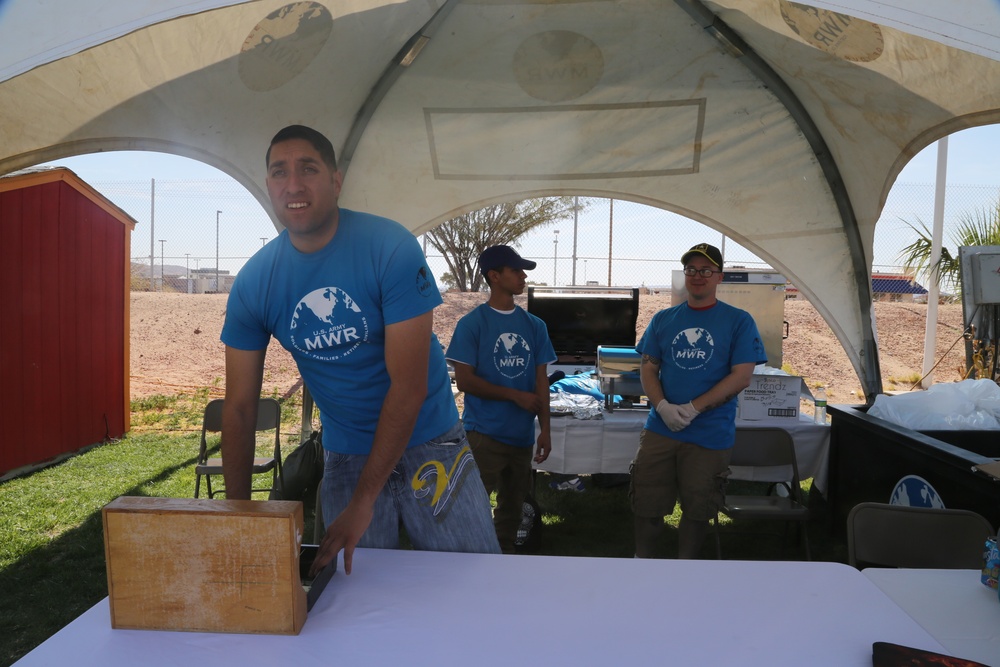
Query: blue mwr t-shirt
697, 348
504, 349
329, 309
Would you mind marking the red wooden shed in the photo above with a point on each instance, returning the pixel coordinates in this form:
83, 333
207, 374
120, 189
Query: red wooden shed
64, 317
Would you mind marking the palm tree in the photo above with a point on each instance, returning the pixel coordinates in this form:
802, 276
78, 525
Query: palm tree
974, 229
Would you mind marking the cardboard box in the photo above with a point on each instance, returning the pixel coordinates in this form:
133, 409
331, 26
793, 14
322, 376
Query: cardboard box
204, 565
770, 397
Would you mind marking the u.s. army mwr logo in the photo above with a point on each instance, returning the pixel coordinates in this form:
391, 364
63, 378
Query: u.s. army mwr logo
511, 355
328, 324
692, 348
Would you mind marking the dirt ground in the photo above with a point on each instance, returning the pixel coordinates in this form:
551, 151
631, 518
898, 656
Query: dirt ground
175, 346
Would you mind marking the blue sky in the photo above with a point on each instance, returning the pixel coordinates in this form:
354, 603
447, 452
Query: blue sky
973, 159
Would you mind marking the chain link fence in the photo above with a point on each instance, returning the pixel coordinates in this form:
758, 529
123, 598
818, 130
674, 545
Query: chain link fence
190, 236
194, 236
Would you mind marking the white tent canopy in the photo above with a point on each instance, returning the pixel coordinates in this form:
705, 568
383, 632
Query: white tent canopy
778, 124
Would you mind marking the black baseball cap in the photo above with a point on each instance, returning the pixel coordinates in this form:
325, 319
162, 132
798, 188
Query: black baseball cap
498, 256
709, 251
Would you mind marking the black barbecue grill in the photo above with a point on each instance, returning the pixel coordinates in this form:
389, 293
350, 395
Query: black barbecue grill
581, 318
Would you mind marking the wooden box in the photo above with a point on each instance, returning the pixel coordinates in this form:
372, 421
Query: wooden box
204, 565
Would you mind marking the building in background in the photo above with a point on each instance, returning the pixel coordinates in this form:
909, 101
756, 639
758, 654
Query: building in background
897, 287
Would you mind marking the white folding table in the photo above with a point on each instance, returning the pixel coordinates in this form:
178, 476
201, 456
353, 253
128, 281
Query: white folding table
952, 605
426, 608
608, 445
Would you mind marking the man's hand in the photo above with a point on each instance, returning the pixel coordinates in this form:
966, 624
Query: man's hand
344, 533
407, 349
688, 411
470, 383
671, 415
530, 401
543, 446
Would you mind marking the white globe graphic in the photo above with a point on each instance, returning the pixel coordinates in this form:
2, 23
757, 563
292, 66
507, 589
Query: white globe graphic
915, 491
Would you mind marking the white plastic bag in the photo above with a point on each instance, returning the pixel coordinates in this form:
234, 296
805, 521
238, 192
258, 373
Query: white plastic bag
969, 405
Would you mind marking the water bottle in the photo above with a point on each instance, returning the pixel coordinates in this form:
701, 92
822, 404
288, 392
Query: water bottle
819, 416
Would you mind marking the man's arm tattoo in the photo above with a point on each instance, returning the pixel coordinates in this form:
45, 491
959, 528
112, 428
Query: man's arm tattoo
712, 406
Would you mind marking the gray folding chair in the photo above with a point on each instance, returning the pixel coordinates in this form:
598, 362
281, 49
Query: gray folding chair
886, 535
268, 418
766, 447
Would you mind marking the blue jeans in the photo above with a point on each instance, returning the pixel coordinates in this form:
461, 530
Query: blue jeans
434, 491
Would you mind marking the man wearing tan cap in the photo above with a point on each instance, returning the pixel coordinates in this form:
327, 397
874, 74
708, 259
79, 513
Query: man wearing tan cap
696, 357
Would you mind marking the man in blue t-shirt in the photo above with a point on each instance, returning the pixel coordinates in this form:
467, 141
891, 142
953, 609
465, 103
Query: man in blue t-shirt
500, 353
697, 357
351, 297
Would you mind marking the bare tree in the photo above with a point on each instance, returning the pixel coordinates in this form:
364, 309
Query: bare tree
461, 239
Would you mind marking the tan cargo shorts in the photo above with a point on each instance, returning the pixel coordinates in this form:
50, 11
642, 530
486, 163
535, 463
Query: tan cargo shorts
665, 470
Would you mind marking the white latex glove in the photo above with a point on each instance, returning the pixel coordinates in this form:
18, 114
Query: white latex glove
688, 411
671, 415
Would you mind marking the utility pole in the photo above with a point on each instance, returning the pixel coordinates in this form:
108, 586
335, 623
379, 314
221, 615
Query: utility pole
263, 241
576, 218
163, 276
187, 272
152, 244
611, 236
218, 290
555, 259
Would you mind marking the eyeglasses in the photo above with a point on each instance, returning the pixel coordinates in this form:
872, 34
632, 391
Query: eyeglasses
704, 273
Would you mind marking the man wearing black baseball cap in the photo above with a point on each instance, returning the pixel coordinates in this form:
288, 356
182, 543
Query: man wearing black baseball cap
696, 357
500, 353
705, 250
496, 257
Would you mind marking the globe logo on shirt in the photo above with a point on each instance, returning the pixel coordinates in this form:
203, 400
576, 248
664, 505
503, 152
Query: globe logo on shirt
328, 324
424, 281
511, 355
692, 348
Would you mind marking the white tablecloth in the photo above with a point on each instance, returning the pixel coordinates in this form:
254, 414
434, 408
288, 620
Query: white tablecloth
952, 605
425, 608
608, 445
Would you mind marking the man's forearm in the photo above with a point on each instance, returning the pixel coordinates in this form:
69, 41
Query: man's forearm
238, 445
395, 426
477, 386
542, 390
244, 373
724, 391
649, 378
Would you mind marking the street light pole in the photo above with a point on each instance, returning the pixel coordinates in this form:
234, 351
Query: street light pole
576, 219
263, 241
162, 276
555, 259
217, 290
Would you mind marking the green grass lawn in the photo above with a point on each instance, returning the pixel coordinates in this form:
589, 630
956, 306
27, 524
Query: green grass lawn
51, 543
